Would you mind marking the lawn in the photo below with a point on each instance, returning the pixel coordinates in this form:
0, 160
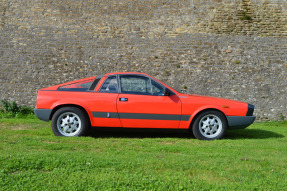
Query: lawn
32, 158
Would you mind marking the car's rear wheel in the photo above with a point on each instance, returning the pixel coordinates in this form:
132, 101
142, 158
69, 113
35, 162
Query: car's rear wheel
70, 122
209, 125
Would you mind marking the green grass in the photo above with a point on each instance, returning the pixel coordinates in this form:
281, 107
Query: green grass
32, 158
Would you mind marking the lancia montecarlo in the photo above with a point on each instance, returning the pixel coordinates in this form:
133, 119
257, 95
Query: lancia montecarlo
137, 100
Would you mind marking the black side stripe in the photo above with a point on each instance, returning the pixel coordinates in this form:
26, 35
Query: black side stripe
105, 114
141, 116
185, 117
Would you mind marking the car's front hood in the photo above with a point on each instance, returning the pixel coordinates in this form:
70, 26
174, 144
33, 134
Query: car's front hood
227, 106
213, 98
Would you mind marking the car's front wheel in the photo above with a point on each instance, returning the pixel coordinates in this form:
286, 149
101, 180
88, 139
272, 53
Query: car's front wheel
70, 122
209, 125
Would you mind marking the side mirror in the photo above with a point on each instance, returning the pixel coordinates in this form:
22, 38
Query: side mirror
167, 92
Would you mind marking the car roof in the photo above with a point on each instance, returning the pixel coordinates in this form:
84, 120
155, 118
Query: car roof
116, 73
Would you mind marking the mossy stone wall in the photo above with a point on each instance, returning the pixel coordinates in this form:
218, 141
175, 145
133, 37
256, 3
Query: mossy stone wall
229, 48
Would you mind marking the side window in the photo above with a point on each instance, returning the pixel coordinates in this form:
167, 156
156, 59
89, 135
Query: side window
156, 88
79, 86
135, 85
110, 85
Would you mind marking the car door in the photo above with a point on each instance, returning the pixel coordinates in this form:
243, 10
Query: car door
104, 108
142, 104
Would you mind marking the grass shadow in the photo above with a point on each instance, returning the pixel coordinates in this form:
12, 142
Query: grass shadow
251, 134
138, 133
182, 134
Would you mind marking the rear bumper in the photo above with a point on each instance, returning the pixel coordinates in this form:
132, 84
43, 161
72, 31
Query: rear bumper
43, 114
240, 122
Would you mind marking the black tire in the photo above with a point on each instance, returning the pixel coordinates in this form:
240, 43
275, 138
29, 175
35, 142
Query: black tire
70, 122
209, 125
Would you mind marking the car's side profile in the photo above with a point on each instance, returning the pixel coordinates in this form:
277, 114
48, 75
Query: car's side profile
136, 100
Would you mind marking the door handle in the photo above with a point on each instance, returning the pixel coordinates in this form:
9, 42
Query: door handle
123, 99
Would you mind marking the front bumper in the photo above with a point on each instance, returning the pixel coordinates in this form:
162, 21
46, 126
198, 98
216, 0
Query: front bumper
43, 114
240, 122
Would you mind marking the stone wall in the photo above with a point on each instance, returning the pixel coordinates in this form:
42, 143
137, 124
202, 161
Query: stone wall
227, 48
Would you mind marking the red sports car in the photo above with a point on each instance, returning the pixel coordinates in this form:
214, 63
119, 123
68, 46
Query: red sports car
137, 100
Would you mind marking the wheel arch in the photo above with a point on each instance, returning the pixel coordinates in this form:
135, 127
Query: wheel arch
204, 110
70, 105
